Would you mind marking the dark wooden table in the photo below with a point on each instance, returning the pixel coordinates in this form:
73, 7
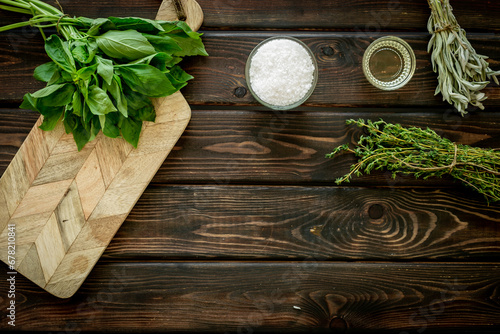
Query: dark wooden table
243, 229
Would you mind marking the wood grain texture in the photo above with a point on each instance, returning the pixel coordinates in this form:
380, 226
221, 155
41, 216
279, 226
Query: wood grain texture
76, 200
242, 230
289, 297
360, 15
329, 223
341, 81
222, 147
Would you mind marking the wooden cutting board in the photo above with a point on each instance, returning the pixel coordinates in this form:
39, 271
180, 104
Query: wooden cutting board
65, 206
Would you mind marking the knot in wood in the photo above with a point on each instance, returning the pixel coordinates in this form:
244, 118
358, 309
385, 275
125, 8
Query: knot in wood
338, 324
240, 92
376, 211
328, 51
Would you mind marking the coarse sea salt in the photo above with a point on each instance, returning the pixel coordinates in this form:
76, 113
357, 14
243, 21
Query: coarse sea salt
281, 72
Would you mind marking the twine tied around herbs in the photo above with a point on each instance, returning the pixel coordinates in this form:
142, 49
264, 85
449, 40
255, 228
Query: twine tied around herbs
450, 166
59, 21
453, 28
423, 153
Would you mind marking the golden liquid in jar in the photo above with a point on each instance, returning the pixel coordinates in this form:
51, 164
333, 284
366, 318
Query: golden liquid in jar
386, 64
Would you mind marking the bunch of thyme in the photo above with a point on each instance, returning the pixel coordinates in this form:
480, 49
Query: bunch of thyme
462, 73
423, 154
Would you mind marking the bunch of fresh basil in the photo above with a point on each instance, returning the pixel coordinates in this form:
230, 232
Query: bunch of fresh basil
104, 72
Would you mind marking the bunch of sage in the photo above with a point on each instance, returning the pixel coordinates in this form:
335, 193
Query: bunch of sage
462, 73
423, 154
104, 71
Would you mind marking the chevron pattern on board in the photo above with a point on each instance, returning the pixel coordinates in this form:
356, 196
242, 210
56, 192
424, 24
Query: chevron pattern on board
67, 205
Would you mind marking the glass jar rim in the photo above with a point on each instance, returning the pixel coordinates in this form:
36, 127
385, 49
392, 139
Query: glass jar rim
302, 99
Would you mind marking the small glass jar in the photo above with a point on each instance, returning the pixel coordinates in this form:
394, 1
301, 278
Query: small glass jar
389, 63
302, 99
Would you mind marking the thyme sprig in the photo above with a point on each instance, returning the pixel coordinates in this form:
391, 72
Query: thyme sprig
462, 73
423, 154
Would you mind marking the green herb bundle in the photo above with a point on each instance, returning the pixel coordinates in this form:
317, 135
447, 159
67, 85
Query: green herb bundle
462, 73
104, 71
424, 154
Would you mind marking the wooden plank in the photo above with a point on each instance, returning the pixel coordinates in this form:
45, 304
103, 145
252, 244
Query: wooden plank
362, 15
265, 223
300, 14
341, 82
42, 189
297, 297
236, 146
339, 55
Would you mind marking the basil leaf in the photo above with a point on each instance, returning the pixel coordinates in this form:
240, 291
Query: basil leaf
115, 89
139, 24
158, 60
146, 79
28, 102
163, 43
95, 127
86, 72
136, 101
55, 95
45, 71
57, 78
109, 125
84, 51
189, 46
105, 69
77, 104
50, 118
59, 52
178, 77
99, 26
189, 40
99, 102
128, 44
69, 121
175, 60
131, 130
81, 135
145, 114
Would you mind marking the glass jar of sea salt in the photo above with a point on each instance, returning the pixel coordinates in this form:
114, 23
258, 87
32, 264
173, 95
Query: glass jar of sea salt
281, 72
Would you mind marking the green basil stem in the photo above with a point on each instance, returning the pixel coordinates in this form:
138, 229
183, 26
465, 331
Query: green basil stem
15, 9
